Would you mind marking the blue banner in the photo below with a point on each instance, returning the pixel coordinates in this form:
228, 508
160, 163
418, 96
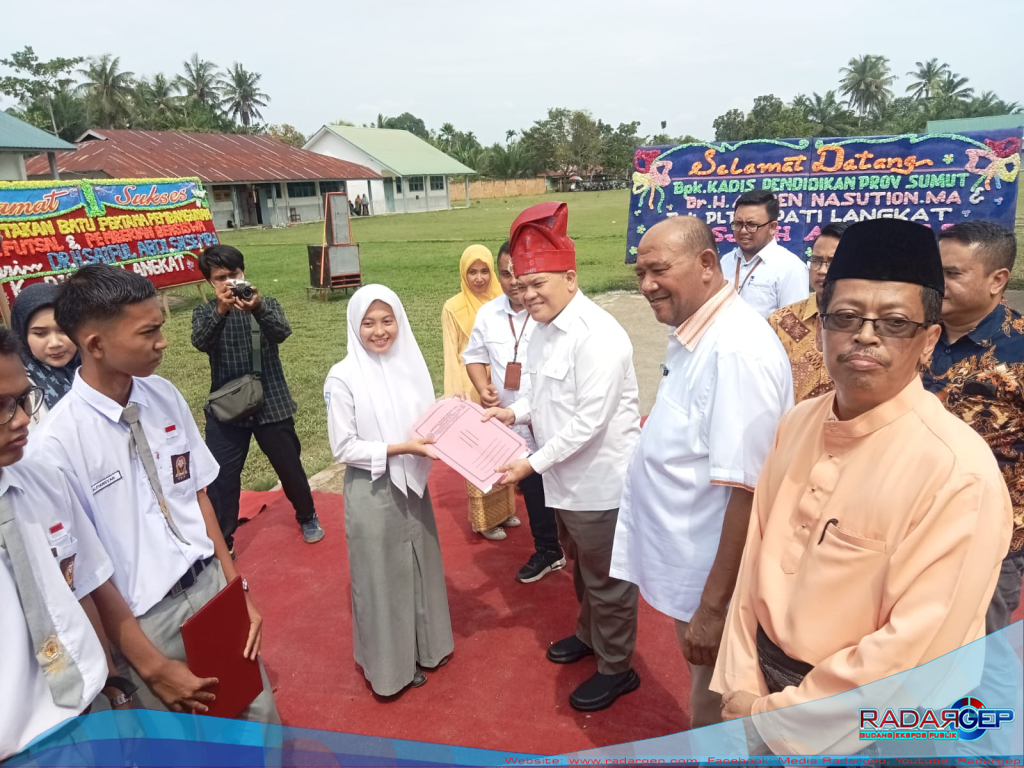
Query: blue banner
147, 196
933, 179
30, 203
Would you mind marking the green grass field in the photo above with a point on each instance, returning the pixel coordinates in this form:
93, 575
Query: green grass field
417, 256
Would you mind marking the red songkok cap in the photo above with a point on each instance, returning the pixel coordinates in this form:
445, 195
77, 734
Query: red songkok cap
538, 241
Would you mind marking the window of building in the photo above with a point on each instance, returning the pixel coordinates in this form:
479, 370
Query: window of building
398, 185
272, 190
301, 189
437, 183
415, 183
331, 186
222, 194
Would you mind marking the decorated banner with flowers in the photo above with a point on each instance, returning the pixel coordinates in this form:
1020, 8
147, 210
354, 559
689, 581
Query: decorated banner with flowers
156, 227
934, 179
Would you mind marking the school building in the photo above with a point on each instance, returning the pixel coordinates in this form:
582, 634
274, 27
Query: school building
19, 140
251, 180
413, 175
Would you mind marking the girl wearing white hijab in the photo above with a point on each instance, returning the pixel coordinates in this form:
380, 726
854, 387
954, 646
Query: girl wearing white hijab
374, 397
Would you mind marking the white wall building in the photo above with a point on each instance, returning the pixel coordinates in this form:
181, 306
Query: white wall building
415, 174
252, 181
18, 139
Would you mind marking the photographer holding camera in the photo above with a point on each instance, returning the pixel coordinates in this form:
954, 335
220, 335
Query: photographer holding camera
248, 392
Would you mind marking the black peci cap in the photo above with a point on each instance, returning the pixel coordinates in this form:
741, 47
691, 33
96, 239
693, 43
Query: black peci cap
891, 250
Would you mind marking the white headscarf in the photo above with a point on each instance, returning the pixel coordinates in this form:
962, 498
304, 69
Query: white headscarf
396, 389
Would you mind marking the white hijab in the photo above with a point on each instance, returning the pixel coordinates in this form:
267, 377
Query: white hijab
395, 389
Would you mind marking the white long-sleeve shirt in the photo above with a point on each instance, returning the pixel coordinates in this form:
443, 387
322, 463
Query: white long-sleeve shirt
772, 279
584, 406
342, 430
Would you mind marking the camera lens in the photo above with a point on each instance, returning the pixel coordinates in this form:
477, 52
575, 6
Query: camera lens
245, 293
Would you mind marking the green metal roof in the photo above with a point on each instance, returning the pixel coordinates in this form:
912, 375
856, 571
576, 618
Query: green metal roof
401, 151
994, 123
18, 135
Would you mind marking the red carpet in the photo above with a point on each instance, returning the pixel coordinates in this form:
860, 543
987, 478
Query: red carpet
498, 691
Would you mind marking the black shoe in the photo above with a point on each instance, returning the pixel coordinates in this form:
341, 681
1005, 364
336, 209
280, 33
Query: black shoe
311, 530
569, 650
539, 566
601, 691
418, 679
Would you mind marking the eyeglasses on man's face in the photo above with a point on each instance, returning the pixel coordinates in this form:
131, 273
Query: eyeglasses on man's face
817, 262
893, 327
747, 226
30, 402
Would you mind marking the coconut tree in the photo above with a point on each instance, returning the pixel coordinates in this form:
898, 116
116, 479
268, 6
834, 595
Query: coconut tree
446, 137
199, 83
867, 82
507, 162
928, 78
241, 96
107, 91
954, 88
827, 115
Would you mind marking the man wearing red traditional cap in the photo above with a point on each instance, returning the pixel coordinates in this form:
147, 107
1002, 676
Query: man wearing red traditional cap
584, 410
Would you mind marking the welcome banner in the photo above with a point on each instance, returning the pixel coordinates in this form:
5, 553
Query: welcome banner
933, 179
156, 227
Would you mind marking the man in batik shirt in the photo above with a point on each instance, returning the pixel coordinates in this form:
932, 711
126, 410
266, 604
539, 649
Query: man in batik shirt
977, 370
796, 324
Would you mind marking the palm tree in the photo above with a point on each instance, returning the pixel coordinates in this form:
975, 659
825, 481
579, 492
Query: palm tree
867, 82
827, 115
241, 95
508, 162
155, 105
199, 83
954, 88
928, 78
107, 91
446, 137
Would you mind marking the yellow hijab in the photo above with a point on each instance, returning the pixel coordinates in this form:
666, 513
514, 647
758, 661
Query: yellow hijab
465, 304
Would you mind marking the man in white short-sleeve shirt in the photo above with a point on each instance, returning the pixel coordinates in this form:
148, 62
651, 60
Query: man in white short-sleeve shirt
689, 489
501, 338
132, 452
762, 272
48, 533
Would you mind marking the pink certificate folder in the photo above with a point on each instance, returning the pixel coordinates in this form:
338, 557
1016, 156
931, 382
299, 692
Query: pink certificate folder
471, 447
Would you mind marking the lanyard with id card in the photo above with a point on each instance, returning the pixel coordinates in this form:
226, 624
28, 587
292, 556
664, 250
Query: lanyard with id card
514, 370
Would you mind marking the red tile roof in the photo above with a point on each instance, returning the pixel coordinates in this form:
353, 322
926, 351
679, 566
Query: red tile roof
213, 157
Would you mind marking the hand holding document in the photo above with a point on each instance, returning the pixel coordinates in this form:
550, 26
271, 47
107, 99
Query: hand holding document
470, 446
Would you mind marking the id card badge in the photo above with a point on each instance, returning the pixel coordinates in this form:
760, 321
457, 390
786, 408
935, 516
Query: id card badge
513, 373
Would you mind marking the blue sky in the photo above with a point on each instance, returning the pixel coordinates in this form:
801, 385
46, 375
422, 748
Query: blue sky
489, 66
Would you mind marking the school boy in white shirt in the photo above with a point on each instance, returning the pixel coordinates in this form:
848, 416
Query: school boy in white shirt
131, 450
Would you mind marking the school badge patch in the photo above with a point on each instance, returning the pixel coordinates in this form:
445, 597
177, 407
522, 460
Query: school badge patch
180, 467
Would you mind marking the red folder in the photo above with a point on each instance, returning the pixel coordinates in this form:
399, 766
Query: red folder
215, 640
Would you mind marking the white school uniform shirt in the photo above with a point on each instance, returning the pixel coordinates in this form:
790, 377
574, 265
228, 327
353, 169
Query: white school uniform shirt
85, 437
342, 426
729, 382
49, 518
492, 343
773, 279
584, 406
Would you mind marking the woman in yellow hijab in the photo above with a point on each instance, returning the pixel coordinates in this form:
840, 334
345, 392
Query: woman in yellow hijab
480, 285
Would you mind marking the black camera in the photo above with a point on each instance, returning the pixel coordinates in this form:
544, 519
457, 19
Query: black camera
242, 289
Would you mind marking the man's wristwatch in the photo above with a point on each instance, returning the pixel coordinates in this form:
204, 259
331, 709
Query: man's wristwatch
126, 688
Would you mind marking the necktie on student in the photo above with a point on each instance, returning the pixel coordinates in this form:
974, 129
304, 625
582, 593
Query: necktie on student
140, 445
59, 668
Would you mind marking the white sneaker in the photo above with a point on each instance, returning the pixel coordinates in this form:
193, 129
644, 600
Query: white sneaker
497, 533
513, 522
